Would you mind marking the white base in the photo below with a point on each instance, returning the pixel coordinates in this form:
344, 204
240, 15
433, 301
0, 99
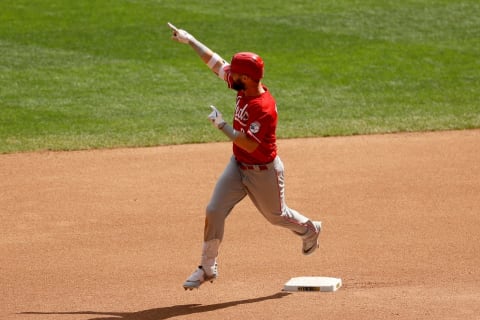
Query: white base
322, 284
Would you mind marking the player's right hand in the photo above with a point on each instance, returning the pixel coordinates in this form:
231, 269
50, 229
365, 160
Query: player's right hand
180, 35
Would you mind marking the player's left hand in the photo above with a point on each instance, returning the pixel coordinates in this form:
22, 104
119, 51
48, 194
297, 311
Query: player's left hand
216, 118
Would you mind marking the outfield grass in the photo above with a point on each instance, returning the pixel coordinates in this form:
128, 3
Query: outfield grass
105, 73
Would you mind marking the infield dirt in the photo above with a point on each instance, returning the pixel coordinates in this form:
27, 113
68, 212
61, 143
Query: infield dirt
112, 234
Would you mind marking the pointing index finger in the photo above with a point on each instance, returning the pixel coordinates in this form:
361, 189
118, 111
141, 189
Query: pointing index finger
172, 27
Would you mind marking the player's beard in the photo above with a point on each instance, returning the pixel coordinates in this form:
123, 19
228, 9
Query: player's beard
238, 85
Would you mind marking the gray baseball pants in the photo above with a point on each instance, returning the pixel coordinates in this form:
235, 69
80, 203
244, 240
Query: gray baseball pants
265, 186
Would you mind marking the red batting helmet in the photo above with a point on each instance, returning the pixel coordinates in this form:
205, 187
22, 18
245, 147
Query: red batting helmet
247, 63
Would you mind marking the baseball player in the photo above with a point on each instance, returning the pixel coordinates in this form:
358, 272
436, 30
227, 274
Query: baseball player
254, 170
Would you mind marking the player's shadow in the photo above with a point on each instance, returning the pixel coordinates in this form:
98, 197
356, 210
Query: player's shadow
165, 312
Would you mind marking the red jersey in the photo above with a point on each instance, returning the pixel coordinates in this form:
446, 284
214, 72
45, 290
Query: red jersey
257, 118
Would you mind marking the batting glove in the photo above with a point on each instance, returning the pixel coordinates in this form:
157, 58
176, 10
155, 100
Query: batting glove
216, 118
180, 35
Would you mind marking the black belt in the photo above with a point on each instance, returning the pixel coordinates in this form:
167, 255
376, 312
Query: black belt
258, 167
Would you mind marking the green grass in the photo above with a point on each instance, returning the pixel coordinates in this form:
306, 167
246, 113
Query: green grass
105, 74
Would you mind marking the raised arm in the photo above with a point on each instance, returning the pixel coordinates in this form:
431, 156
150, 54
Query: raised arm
216, 63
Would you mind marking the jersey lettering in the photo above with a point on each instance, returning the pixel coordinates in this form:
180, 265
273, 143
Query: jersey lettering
241, 114
257, 118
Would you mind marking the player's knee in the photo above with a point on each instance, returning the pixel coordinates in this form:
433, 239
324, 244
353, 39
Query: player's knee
212, 211
215, 213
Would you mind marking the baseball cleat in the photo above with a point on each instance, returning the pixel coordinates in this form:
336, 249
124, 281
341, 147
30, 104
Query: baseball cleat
199, 276
310, 239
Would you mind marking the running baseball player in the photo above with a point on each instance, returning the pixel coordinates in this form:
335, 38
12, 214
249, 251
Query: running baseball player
254, 170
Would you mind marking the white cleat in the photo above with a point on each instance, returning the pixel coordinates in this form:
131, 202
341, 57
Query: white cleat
199, 276
310, 239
